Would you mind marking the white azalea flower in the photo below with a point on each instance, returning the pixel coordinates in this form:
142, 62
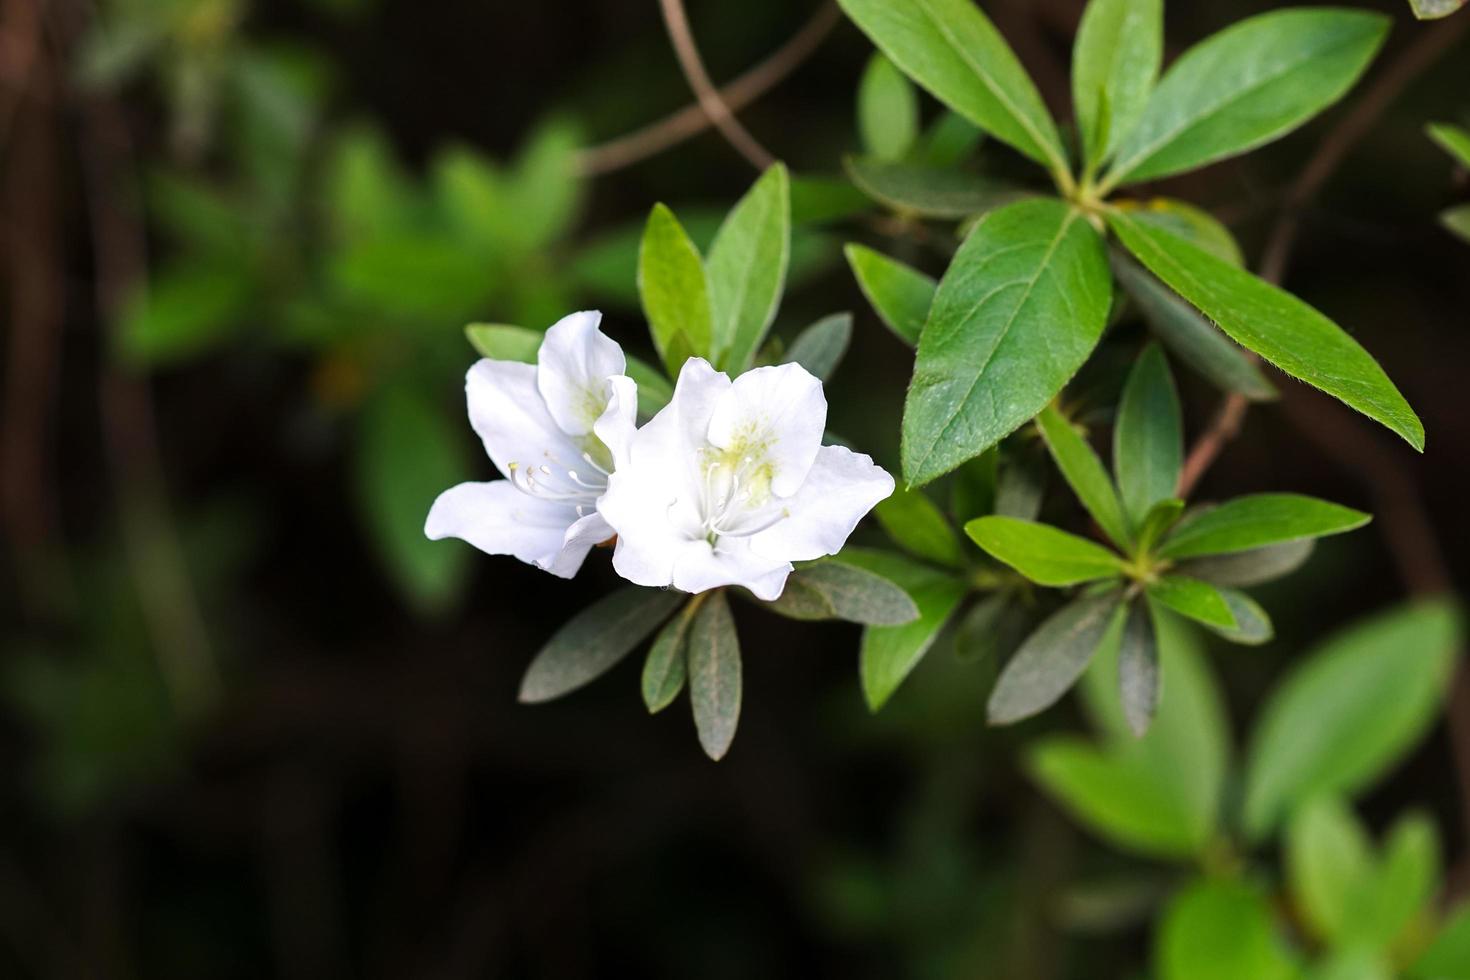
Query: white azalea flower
729, 484
555, 429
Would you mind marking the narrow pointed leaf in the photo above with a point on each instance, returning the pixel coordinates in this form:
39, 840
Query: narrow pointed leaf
1085, 475
1273, 323
856, 594
887, 110
1148, 438
714, 675
931, 192
1350, 711
501, 342
665, 669
747, 268
1457, 220
1221, 929
1252, 624
594, 640
819, 348
1329, 860
1191, 597
1258, 520
673, 288
1022, 306
1454, 139
1052, 658
954, 51
1157, 522
1191, 223
1115, 61
901, 295
1044, 554
1138, 669
1244, 568
1253, 82
919, 527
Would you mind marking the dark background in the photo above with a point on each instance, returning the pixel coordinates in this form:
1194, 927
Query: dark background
366, 797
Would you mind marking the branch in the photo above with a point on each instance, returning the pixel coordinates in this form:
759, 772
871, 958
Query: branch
710, 102
691, 120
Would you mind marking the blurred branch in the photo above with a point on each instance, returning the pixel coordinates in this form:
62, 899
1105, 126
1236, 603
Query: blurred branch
155, 554
710, 103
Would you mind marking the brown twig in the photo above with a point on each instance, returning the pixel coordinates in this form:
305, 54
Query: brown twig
710, 103
691, 120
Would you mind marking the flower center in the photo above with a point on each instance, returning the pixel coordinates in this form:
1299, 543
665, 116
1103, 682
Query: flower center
734, 493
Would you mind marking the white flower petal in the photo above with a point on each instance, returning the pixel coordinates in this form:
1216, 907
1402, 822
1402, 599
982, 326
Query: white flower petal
510, 418
500, 520
619, 421
572, 367
700, 567
778, 412
840, 488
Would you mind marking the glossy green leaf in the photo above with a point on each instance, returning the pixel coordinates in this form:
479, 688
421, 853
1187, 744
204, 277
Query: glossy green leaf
1329, 861
666, 667
1020, 482
407, 453
948, 142
1052, 658
1191, 223
747, 268
1406, 882
1115, 61
673, 288
1158, 794
1191, 337
972, 492
1457, 220
1138, 668
1273, 323
919, 527
887, 110
832, 589
1192, 598
818, 200
1253, 567
952, 50
819, 348
900, 294
714, 675
1353, 962
1253, 82
1258, 520
1044, 554
1084, 473
1455, 141
1351, 710
1148, 437
889, 653
501, 342
1156, 523
592, 642
1252, 624
1220, 929
1448, 957
931, 192
183, 312
1022, 305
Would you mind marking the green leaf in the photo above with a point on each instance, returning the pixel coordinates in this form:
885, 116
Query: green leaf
1115, 61
1406, 883
1044, 554
714, 675
1455, 140
889, 653
592, 642
1192, 338
1457, 220
414, 276
1251, 83
1329, 860
654, 389
1219, 929
1148, 438
926, 191
1019, 485
818, 200
1138, 669
887, 110
1052, 658
1252, 624
1245, 568
1434, 9
501, 342
832, 589
1448, 957
901, 295
1022, 305
948, 141
1351, 963
183, 312
919, 527
665, 669
1085, 475
952, 50
543, 193
747, 268
992, 629
1257, 520
819, 348
1350, 711
672, 287
972, 492
1155, 524
1159, 794
1275, 324
1190, 597
1193, 224
408, 452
